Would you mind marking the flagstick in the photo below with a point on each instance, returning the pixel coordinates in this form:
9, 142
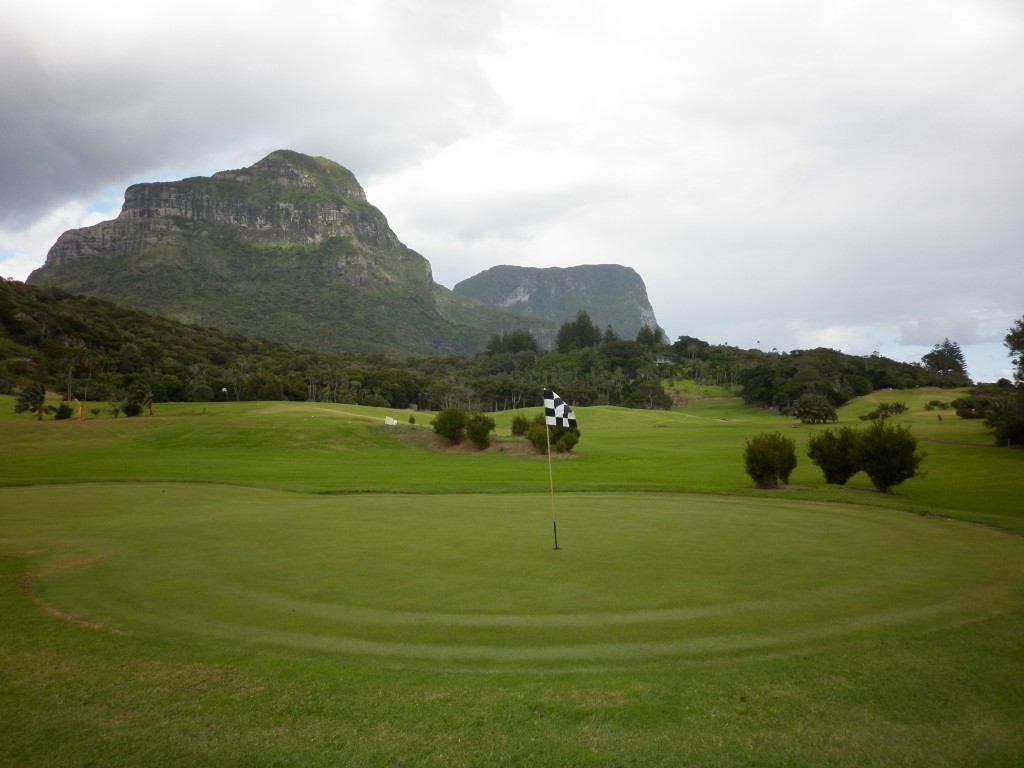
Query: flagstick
551, 482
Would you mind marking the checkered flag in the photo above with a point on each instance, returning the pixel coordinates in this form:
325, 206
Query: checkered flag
557, 413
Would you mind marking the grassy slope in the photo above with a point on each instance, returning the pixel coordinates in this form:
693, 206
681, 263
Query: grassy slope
174, 623
337, 448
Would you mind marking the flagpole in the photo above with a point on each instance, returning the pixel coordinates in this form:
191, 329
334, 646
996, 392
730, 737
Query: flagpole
556, 413
551, 483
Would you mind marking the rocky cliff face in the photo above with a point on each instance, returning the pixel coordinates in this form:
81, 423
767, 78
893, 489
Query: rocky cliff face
288, 249
612, 295
284, 198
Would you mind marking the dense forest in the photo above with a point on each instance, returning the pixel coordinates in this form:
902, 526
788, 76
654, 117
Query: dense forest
90, 349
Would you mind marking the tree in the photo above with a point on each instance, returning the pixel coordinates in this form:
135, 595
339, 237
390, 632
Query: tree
691, 348
1006, 419
1014, 341
885, 410
580, 333
1003, 408
511, 343
770, 458
32, 399
648, 394
836, 454
888, 454
812, 408
946, 363
650, 337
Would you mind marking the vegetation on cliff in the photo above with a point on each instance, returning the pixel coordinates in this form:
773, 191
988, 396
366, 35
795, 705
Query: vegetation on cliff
287, 249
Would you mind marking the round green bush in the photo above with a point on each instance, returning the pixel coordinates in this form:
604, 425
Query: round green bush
888, 454
450, 424
836, 454
769, 459
478, 428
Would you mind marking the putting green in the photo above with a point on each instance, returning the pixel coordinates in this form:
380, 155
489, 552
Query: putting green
474, 579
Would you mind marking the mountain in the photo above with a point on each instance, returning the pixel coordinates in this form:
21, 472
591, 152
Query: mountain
612, 295
287, 249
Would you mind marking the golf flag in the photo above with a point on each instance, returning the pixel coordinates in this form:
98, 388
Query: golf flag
557, 412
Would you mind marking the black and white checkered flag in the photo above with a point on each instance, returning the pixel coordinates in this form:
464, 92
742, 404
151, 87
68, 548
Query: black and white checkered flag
557, 413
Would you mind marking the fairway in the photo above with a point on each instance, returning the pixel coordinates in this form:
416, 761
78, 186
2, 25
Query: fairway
473, 581
296, 584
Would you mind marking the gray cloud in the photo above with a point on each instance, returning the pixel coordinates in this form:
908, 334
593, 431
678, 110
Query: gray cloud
795, 173
376, 87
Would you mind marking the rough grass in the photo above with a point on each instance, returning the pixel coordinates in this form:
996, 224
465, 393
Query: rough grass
292, 584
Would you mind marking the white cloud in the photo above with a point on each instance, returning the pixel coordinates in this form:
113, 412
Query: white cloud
19, 254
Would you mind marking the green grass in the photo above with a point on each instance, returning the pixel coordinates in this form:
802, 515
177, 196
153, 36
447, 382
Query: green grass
271, 584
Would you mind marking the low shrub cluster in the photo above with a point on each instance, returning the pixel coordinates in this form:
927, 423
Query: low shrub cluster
886, 452
454, 424
562, 439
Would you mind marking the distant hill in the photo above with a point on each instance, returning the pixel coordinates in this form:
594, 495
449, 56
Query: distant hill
288, 249
612, 295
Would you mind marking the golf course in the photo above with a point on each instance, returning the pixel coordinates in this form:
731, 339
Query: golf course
300, 584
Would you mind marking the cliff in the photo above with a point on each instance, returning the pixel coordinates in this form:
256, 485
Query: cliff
287, 249
612, 295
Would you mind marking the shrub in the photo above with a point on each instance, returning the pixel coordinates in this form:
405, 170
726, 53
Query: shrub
520, 425
450, 424
785, 449
131, 408
973, 407
888, 454
836, 454
1006, 419
478, 428
884, 411
64, 410
563, 439
770, 458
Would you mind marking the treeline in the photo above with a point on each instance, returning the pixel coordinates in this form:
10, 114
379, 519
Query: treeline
90, 349
782, 380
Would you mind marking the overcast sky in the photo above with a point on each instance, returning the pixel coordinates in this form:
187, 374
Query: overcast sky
788, 174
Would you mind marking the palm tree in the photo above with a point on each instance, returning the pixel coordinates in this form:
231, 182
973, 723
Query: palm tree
32, 399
